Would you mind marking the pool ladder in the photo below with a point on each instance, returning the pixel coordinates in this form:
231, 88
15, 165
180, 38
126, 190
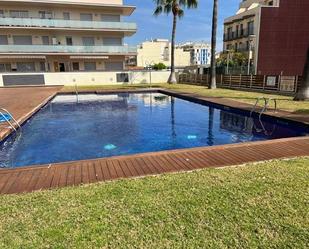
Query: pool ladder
76, 92
13, 124
264, 109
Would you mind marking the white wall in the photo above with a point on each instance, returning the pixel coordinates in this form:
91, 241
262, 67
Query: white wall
99, 78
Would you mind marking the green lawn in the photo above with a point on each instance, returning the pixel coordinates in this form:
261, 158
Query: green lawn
284, 102
255, 206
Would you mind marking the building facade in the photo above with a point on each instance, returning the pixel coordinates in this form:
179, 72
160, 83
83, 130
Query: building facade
200, 53
64, 35
274, 35
159, 51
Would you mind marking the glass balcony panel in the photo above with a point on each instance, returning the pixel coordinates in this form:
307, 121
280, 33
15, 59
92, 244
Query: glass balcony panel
66, 49
59, 23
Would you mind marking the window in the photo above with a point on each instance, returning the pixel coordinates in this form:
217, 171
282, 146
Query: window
241, 29
113, 66
88, 41
42, 66
19, 14
112, 41
90, 66
122, 77
45, 40
251, 28
85, 17
110, 18
229, 33
66, 16
25, 67
5, 67
75, 66
45, 14
3, 40
237, 31
1, 13
69, 41
22, 40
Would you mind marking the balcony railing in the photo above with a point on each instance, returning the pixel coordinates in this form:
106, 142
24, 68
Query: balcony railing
60, 23
234, 35
7, 49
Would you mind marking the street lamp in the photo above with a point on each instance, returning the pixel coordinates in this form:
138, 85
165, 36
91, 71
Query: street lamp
149, 67
250, 39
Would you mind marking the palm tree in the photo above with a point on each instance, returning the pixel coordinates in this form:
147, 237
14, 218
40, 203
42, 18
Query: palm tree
176, 7
213, 83
303, 91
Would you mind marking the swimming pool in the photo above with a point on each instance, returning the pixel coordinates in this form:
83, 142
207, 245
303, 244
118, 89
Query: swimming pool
104, 125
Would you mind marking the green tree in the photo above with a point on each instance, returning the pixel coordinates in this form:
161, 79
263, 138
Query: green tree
159, 66
176, 7
213, 83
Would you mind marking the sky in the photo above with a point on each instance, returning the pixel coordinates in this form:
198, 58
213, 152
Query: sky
194, 26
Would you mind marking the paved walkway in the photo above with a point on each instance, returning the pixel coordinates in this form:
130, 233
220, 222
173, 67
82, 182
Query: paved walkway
23, 102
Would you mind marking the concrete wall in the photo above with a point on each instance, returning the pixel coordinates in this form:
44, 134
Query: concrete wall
97, 78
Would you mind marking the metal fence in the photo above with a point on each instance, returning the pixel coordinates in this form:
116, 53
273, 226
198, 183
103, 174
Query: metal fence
270, 83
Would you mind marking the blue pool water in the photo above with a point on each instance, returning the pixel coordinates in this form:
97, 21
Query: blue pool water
119, 124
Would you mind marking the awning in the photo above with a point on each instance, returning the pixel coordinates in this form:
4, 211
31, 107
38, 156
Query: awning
89, 57
22, 57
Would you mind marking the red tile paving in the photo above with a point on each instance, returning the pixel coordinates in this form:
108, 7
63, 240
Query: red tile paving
28, 179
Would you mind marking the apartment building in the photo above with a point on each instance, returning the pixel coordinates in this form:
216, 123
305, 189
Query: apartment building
274, 34
200, 52
159, 51
64, 35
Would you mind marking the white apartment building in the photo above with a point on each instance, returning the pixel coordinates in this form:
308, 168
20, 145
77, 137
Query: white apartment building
64, 35
159, 51
200, 52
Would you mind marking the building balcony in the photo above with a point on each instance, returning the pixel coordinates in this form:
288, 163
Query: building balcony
235, 36
64, 49
36, 23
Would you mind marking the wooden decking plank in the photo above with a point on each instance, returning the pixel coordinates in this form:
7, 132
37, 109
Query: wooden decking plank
84, 173
153, 168
126, 170
119, 170
154, 165
132, 168
4, 177
136, 166
78, 174
91, 172
56, 176
146, 168
37, 174
105, 170
63, 176
164, 164
98, 171
179, 162
111, 169
70, 175
11, 181
21, 182
46, 179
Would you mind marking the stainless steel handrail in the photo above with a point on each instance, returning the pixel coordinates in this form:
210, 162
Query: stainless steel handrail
4, 111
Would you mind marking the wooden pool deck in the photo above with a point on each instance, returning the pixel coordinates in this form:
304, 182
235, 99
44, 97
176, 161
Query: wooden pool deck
24, 102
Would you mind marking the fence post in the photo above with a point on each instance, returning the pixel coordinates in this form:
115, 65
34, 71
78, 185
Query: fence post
240, 80
221, 79
230, 81
251, 81
279, 83
264, 82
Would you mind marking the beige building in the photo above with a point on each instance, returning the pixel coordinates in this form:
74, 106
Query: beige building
64, 35
241, 31
159, 51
